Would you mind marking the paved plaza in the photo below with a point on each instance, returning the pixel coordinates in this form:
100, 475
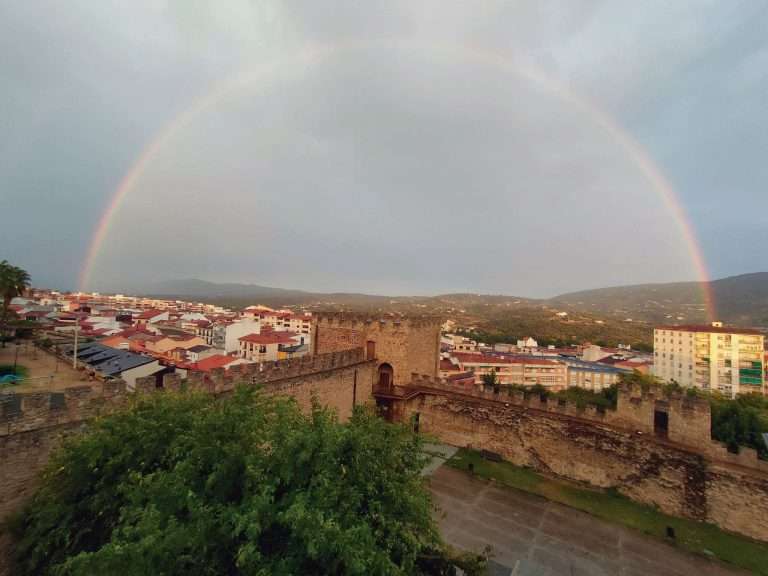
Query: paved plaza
531, 536
45, 371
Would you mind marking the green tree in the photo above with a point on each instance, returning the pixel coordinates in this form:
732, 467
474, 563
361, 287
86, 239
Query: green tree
182, 484
490, 380
13, 282
740, 422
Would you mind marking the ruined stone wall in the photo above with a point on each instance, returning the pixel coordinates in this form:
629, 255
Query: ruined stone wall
409, 345
707, 484
690, 419
22, 457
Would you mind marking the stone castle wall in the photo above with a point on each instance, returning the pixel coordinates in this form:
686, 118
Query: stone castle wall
409, 345
34, 424
686, 474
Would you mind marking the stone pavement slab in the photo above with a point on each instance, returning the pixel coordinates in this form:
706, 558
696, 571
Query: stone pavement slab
440, 454
531, 536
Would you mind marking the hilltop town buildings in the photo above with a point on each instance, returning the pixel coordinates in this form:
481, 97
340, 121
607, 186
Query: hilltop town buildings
279, 319
517, 370
192, 336
173, 333
270, 345
113, 363
717, 358
226, 334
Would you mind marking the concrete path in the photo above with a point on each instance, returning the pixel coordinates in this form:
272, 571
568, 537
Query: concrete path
531, 536
440, 454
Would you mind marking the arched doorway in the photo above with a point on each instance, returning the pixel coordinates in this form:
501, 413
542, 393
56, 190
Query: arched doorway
386, 376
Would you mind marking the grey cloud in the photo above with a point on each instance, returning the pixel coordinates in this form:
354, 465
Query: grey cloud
401, 163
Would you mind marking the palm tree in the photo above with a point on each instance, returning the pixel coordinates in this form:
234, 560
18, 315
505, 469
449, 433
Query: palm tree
13, 282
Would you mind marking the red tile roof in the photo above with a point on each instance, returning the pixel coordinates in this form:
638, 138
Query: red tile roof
483, 359
211, 362
462, 376
446, 365
149, 314
183, 337
269, 337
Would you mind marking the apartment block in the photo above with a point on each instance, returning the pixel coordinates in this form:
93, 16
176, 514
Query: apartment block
522, 370
717, 358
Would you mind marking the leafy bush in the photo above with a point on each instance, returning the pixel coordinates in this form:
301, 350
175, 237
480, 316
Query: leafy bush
182, 484
740, 422
581, 397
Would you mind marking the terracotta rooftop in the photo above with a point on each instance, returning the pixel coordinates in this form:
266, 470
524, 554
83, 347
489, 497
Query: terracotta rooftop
269, 337
446, 364
208, 364
484, 359
149, 314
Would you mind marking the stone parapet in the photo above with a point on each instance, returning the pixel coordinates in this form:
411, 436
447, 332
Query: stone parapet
357, 321
689, 417
26, 411
22, 412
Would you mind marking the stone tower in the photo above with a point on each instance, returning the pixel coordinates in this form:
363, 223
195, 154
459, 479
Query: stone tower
401, 346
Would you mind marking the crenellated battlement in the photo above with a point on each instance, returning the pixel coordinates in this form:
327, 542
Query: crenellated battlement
26, 411
358, 321
509, 398
220, 380
689, 417
22, 412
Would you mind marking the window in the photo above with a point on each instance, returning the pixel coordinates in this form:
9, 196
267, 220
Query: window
262, 349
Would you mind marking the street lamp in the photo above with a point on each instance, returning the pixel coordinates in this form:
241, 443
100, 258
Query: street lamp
16, 356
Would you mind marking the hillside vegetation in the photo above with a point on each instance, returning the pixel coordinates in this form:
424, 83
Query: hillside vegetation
624, 314
741, 300
541, 322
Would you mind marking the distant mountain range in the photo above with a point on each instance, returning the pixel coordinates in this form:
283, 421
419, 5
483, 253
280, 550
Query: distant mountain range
234, 294
740, 299
195, 288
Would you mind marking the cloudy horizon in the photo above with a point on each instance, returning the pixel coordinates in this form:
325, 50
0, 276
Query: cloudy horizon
383, 147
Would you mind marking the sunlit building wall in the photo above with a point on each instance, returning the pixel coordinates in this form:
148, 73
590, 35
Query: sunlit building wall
716, 358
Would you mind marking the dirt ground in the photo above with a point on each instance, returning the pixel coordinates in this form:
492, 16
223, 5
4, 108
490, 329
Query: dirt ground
45, 372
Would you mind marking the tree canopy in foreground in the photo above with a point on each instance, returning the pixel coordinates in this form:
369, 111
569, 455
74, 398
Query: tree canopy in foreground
182, 484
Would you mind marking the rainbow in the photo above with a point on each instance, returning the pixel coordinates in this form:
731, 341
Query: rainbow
315, 54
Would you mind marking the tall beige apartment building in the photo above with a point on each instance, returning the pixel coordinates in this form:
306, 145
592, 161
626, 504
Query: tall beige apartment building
718, 358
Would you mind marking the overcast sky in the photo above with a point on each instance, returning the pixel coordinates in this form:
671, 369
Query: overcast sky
385, 147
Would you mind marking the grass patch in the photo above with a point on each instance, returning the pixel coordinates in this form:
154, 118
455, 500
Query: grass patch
698, 537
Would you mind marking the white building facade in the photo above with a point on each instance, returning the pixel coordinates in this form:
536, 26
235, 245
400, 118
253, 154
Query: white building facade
714, 358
